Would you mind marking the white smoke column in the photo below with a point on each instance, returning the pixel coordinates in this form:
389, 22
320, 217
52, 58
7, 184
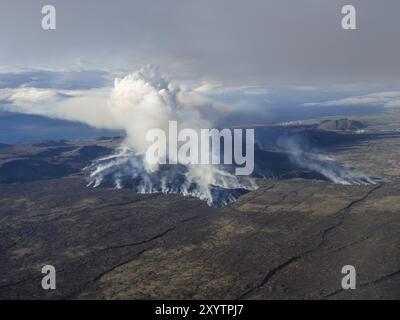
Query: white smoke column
143, 101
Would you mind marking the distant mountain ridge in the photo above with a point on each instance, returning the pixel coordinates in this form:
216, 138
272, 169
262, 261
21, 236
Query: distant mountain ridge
341, 125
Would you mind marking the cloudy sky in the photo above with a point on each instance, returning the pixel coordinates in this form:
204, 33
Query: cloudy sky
236, 41
250, 53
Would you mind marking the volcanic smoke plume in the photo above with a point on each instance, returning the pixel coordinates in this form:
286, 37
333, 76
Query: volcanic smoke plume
143, 101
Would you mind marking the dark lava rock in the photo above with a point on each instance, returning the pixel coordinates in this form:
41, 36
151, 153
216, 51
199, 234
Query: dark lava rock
88, 153
29, 170
286, 240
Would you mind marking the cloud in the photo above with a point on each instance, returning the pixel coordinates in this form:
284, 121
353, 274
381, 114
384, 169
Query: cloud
388, 99
56, 79
86, 106
304, 88
74, 95
232, 41
213, 88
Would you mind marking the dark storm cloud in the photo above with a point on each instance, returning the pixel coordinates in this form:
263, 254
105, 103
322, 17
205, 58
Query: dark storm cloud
236, 41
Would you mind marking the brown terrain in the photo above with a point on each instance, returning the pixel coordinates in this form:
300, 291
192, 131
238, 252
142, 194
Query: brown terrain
287, 240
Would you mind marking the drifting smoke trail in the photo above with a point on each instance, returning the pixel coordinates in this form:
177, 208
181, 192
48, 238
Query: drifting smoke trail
324, 165
143, 101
